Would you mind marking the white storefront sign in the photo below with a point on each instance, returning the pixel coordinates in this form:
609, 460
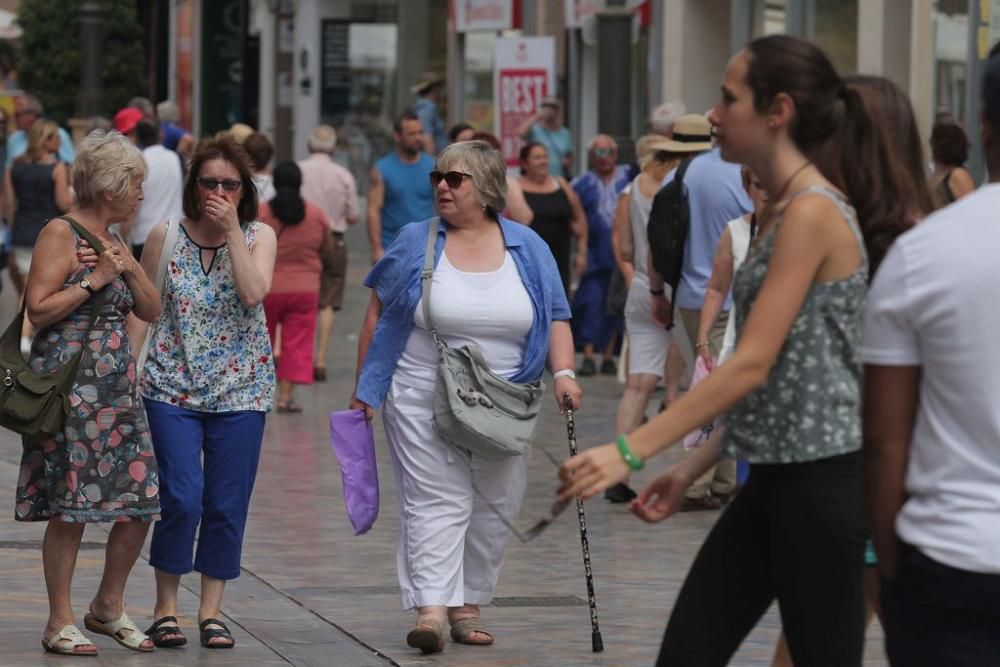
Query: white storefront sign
474, 15
523, 73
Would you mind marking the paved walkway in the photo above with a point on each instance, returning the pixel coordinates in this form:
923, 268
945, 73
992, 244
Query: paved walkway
313, 594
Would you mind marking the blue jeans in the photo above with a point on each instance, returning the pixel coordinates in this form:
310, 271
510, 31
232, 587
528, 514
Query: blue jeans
936, 615
207, 463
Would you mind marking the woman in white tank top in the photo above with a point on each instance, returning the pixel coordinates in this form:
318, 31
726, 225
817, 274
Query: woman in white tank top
729, 255
647, 341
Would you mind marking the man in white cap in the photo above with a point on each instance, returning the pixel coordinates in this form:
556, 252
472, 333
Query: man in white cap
546, 128
428, 92
332, 188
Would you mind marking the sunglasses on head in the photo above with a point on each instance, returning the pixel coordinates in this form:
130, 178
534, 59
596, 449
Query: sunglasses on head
228, 184
452, 178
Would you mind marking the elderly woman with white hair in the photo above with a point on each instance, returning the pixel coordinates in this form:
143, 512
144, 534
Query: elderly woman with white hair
495, 286
101, 467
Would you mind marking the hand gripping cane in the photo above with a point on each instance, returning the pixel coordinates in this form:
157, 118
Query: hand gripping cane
595, 629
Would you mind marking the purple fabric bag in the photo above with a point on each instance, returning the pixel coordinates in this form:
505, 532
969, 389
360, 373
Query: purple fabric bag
353, 443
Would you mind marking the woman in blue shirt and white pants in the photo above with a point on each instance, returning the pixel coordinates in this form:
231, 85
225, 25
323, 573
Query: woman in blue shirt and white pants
496, 286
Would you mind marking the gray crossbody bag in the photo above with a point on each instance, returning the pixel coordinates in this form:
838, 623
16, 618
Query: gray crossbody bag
474, 408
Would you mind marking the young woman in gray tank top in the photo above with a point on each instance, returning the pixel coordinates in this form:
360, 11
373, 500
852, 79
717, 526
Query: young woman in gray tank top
791, 390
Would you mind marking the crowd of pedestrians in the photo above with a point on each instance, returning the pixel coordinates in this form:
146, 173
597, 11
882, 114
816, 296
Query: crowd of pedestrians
825, 315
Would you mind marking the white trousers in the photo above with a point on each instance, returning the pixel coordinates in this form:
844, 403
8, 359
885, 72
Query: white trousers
451, 544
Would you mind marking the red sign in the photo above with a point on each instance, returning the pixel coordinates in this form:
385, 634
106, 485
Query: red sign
521, 93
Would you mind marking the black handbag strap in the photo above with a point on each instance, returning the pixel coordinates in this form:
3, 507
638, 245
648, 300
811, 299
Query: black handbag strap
427, 277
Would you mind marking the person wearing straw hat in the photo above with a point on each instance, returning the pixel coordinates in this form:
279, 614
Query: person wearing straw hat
428, 92
715, 196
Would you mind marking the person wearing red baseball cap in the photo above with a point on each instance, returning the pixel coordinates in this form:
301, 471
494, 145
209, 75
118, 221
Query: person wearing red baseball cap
126, 120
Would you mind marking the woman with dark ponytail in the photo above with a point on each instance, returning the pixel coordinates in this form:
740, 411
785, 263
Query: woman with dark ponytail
790, 391
303, 237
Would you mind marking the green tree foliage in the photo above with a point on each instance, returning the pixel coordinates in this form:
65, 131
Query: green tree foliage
49, 63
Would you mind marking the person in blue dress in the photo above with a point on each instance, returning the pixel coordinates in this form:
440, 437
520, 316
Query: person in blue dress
598, 190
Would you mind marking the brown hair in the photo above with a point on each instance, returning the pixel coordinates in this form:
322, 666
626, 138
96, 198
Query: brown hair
949, 143
832, 127
260, 150
904, 194
226, 148
491, 139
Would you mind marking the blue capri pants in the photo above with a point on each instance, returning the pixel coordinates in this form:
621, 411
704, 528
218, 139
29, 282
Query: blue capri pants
207, 463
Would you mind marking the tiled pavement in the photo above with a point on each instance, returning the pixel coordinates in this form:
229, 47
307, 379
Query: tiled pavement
313, 594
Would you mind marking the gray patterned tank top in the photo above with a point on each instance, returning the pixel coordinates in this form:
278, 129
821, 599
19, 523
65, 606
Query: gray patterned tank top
810, 406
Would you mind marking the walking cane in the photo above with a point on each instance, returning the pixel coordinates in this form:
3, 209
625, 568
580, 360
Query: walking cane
595, 629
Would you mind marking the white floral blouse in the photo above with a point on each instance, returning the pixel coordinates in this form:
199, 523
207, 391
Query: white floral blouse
208, 352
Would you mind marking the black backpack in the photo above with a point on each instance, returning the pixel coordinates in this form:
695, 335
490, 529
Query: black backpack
668, 228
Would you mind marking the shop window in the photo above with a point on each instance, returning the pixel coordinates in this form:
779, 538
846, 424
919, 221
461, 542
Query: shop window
951, 39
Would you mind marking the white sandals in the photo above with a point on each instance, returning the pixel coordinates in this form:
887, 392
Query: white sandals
71, 634
133, 640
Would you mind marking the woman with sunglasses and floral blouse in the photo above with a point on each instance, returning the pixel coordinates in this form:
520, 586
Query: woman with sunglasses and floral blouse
496, 286
207, 383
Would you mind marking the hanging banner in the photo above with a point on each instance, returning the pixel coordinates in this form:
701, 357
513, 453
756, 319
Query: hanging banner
523, 73
477, 15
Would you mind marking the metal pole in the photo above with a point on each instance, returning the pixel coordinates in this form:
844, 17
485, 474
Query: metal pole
614, 75
973, 91
89, 101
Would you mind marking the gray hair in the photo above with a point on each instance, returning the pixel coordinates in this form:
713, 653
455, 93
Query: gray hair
142, 104
33, 104
489, 174
167, 111
662, 120
323, 139
593, 142
106, 162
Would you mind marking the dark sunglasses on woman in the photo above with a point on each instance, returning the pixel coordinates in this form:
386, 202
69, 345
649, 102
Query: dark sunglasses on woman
229, 185
452, 178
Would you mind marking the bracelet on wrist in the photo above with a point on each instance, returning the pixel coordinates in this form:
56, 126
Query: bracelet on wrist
656, 291
564, 373
633, 461
701, 344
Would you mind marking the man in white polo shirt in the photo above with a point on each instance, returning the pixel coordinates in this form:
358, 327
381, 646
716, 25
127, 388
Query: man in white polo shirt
932, 426
162, 191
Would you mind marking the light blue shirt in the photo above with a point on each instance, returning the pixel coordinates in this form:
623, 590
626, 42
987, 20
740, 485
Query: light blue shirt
407, 195
715, 197
430, 120
396, 280
17, 144
558, 143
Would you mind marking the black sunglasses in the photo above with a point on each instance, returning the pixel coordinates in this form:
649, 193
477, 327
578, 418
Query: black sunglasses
452, 178
229, 185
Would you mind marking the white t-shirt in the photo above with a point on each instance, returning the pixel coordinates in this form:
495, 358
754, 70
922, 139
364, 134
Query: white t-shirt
162, 191
739, 237
491, 310
929, 306
265, 187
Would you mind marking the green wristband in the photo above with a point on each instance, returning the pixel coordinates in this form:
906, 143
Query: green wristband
633, 461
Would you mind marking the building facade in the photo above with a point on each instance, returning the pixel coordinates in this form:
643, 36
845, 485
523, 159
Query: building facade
287, 65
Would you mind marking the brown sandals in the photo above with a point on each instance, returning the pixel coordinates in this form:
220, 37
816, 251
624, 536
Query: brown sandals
428, 636
463, 629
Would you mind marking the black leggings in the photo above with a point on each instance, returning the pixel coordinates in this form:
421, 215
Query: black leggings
796, 532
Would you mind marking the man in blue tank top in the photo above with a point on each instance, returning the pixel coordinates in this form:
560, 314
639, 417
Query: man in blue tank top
400, 191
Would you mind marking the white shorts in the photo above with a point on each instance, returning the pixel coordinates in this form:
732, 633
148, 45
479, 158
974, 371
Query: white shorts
648, 342
22, 257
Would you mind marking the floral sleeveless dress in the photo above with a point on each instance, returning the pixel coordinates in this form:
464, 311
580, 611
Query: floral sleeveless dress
101, 467
208, 352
